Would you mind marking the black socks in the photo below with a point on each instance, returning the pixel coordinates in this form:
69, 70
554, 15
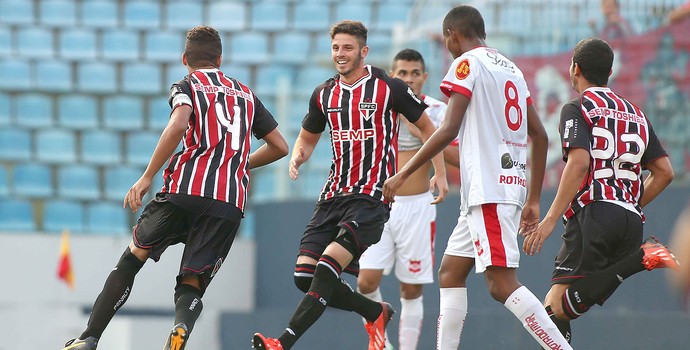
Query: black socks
115, 292
188, 305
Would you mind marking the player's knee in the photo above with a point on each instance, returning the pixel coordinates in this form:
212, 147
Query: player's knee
184, 288
304, 274
366, 286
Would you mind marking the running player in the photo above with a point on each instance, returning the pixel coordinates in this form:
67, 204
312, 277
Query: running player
607, 141
361, 105
490, 109
408, 237
204, 191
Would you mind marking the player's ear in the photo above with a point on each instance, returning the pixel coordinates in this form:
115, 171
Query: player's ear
610, 72
365, 51
219, 60
184, 58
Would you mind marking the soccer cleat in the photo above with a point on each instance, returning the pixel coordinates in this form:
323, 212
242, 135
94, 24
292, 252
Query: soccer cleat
262, 343
89, 343
177, 338
377, 329
657, 255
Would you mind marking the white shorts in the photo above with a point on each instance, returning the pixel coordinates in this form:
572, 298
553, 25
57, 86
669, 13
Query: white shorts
487, 233
407, 241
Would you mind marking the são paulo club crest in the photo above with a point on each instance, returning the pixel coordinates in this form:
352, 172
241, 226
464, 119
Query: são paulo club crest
367, 108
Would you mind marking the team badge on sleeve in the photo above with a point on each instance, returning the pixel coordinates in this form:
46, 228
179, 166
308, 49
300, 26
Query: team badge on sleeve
463, 69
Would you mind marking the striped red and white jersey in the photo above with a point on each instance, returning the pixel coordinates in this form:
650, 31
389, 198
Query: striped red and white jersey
364, 124
620, 141
213, 162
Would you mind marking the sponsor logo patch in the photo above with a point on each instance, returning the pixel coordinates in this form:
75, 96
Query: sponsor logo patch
463, 69
415, 266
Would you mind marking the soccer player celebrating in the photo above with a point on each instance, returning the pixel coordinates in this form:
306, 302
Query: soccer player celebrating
491, 112
204, 191
607, 141
408, 237
361, 105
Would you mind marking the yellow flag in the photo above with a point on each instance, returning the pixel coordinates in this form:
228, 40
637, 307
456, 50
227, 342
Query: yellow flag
64, 271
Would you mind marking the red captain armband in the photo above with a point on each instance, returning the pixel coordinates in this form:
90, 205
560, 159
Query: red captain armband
455, 142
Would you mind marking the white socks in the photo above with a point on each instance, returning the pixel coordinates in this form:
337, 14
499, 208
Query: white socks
529, 310
451, 318
411, 315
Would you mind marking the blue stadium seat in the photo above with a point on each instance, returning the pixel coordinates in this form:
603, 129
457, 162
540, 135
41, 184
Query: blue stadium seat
227, 16
4, 183
313, 17
269, 16
174, 73
380, 46
60, 215
250, 48
119, 179
291, 47
78, 44
269, 78
16, 215
4, 109
107, 218
53, 76
100, 14
15, 144
34, 110
19, 12
142, 78
310, 77
101, 147
390, 14
77, 111
142, 14
353, 11
183, 15
5, 42
123, 113
140, 146
78, 182
158, 113
35, 42
120, 45
97, 78
164, 46
33, 180
262, 186
58, 13
240, 72
56, 146
15, 75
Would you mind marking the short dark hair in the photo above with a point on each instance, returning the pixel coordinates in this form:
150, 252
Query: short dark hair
409, 55
466, 20
355, 28
203, 46
595, 59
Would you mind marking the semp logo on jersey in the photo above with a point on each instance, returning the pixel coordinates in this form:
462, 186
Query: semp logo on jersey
367, 109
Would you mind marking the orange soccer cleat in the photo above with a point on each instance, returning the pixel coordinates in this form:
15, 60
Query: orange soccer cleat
377, 329
262, 343
657, 255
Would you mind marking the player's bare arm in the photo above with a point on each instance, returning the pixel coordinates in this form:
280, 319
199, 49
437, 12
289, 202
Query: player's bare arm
444, 135
438, 182
275, 148
170, 138
576, 169
539, 147
661, 175
302, 150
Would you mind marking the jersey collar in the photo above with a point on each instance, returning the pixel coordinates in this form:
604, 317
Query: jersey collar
359, 81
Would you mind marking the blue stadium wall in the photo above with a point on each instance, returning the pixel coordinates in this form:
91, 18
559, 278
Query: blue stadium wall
643, 314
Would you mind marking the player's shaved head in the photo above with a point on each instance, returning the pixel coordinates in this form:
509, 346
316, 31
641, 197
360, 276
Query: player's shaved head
203, 47
595, 59
465, 20
354, 28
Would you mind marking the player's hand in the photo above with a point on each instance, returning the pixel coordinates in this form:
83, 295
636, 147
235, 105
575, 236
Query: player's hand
535, 240
529, 220
296, 160
438, 183
136, 193
391, 186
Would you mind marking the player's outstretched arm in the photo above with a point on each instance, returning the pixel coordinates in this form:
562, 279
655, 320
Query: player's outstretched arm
275, 148
661, 175
438, 183
576, 168
302, 150
167, 143
539, 147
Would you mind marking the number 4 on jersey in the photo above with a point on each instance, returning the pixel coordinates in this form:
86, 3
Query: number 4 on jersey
231, 124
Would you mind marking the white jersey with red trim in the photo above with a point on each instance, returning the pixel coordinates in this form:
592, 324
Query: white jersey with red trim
493, 134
